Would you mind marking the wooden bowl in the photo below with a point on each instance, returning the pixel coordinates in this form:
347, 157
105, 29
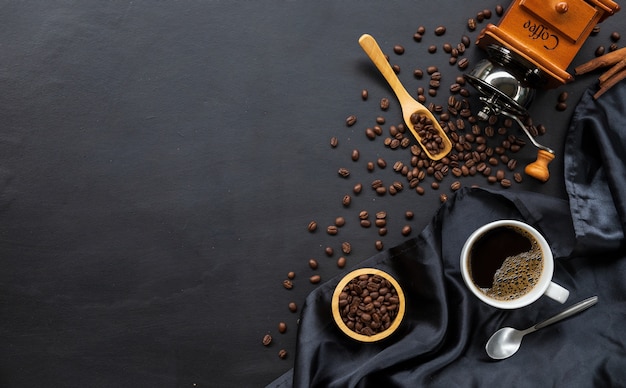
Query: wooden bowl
393, 323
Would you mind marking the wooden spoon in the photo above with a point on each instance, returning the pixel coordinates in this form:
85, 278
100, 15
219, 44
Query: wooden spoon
408, 103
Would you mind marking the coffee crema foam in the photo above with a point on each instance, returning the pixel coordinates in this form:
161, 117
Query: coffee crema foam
517, 275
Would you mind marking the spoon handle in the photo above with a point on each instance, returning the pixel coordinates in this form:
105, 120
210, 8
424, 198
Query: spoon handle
376, 55
578, 307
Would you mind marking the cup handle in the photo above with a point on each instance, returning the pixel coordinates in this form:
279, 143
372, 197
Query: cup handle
557, 292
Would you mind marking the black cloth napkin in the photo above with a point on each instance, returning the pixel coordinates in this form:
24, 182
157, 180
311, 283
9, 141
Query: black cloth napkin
441, 341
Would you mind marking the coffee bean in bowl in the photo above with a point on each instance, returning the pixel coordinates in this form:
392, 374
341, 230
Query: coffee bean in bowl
368, 305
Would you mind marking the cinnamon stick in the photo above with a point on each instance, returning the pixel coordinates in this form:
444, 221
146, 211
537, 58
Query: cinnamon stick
605, 60
612, 71
609, 83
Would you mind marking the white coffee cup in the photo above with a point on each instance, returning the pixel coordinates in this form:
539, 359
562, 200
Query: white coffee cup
543, 286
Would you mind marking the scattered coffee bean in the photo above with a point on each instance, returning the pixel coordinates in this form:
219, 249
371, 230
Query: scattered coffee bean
312, 227
432, 49
417, 37
471, 24
595, 30
364, 94
340, 221
287, 284
344, 172
315, 279
267, 340
418, 73
282, 354
334, 142
292, 307
346, 247
499, 10
313, 263
379, 245
455, 185
341, 262
332, 230
440, 30
398, 49
355, 155
406, 230
282, 327
463, 63
561, 106
384, 103
408, 215
291, 275
506, 183
351, 120
329, 251
381, 162
600, 51
347, 200
615, 36
396, 68
563, 97
443, 197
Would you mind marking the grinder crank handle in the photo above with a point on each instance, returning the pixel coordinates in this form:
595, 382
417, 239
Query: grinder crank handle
539, 168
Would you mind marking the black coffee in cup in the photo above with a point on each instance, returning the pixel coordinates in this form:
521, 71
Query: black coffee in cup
505, 262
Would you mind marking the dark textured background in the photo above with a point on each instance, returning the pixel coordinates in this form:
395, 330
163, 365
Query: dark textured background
160, 161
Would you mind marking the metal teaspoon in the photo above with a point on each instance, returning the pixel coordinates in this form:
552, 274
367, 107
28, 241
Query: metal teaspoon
506, 341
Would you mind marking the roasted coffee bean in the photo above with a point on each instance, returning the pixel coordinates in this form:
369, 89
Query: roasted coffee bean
312, 227
287, 284
282, 327
398, 49
447, 47
381, 162
369, 132
406, 230
500, 175
363, 215
291, 275
334, 142
518, 177
347, 200
377, 183
341, 262
452, 61
382, 231
355, 155
432, 49
512, 164
615, 36
381, 190
431, 70
315, 279
562, 97
364, 94
346, 247
443, 197
267, 340
487, 13
293, 307
379, 245
332, 230
463, 63
370, 166
440, 30
420, 190
357, 188
344, 172
434, 185
418, 73
455, 185
595, 30
384, 103
499, 10
366, 223
381, 215
561, 106
329, 251
282, 354
505, 183
351, 120
600, 51
421, 30
340, 221
409, 215
471, 24
396, 68
417, 37
480, 16
313, 264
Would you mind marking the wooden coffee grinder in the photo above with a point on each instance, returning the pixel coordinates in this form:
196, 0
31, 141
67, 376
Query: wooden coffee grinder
531, 49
